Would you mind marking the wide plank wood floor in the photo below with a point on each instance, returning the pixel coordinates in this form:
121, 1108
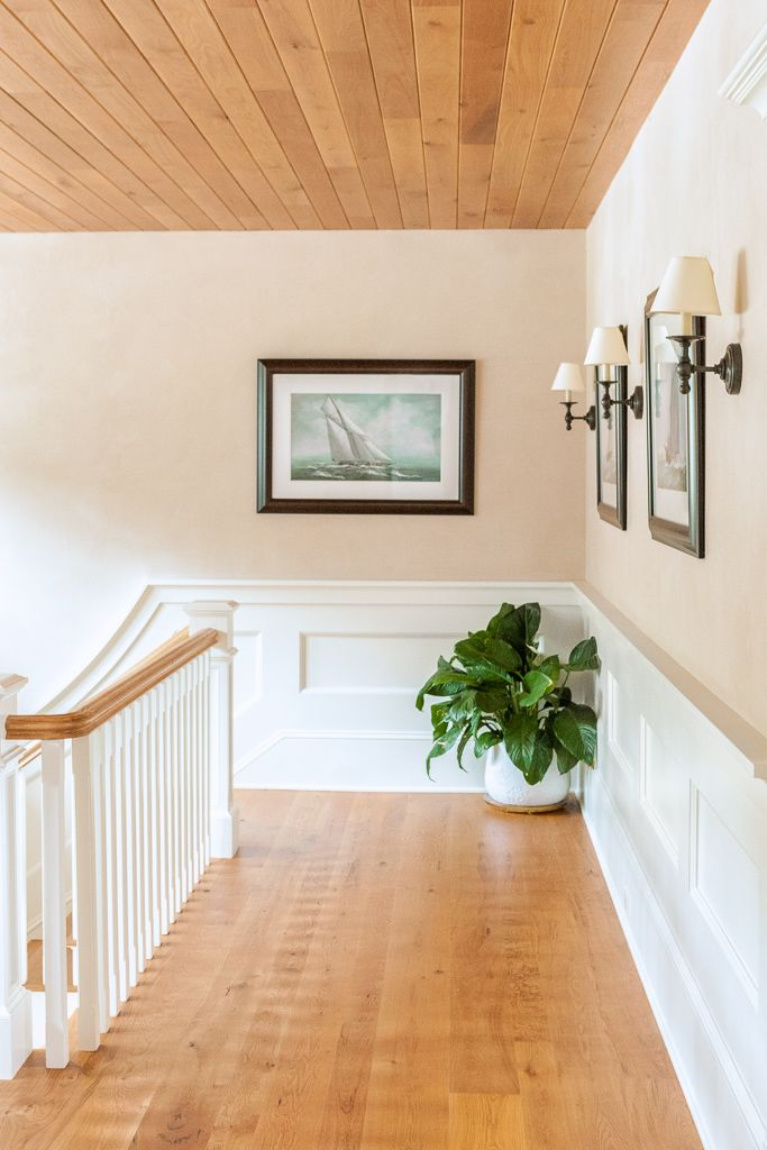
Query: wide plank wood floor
385, 972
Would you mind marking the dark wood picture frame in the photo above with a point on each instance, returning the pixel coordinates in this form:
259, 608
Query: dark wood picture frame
463, 368
691, 538
618, 515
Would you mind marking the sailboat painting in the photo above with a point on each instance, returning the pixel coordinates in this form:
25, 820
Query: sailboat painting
366, 437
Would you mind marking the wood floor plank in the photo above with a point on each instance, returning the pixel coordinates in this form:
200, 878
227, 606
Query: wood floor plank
376, 972
490, 1121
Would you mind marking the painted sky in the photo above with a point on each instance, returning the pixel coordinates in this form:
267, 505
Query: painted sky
406, 427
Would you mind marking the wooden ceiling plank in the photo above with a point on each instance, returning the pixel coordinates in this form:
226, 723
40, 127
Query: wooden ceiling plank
49, 192
137, 174
342, 34
47, 127
197, 31
631, 29
389, 34
28, 219
249, 41
185, 190
534, 25
150, 32
438, 54
295, 37
676, 26
32, 200
114, 46
581, 32
60, 177
484, 44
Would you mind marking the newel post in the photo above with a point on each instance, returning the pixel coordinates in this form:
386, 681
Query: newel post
224, 816
15, 1001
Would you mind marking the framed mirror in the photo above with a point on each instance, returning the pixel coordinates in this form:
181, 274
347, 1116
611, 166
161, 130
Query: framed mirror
612, 454
675, 437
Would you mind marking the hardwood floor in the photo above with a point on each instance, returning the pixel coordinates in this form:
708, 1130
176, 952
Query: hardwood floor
384, 972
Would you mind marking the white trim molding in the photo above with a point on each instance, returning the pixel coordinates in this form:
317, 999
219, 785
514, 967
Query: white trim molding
747, 82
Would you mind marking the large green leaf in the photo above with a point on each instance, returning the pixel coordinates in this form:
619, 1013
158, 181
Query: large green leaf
575, 728
485, 741
502, 654
541, 757
493, 701
442, 683
565, 761
463, 705
519, 737
536, 685
584, 657
443, 744
462, 745
550, 666
471, 649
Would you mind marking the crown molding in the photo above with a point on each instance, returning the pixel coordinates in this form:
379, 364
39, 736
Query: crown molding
747, 82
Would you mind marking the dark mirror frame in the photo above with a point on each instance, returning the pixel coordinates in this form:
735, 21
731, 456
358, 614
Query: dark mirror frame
617, 516
690, 539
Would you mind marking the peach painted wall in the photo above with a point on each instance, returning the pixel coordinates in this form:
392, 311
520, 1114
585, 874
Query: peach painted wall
695, 183
128, 381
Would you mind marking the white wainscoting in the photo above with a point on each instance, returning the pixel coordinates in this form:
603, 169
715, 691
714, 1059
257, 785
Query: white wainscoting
677, 812
677, 809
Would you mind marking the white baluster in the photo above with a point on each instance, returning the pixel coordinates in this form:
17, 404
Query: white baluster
121, 826
99, 768
110, 790
176, 795
137, 770
224, 814
153, 856
162, 790
15, 1002
85, 766
54, 905
205, 749
196, 836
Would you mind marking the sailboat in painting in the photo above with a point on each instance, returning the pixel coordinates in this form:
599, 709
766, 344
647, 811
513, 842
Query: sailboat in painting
351, 448
344, 449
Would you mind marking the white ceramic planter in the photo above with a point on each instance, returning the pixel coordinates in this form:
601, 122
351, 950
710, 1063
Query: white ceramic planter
505, 785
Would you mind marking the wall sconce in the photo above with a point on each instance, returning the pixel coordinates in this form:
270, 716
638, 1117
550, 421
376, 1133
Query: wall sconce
569, 379
687, 289
607, 353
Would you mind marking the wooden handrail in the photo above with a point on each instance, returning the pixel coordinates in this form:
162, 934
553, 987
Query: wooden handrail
165, 661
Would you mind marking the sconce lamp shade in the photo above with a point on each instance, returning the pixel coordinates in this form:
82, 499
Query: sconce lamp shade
569, 377
607, 348
688, 288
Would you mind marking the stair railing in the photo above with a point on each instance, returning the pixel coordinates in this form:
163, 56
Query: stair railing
153, 802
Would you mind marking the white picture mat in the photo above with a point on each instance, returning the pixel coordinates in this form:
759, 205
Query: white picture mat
286, 384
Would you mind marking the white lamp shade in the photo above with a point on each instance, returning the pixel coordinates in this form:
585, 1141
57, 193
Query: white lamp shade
569, 377
688, 288
607, 347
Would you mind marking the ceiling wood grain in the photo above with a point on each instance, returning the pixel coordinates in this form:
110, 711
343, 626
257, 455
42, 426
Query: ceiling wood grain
323, 114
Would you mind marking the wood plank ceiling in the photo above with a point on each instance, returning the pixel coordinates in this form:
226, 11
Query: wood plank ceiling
230, 114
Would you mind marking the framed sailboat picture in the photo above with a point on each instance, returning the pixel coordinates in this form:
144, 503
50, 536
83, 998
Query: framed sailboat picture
675, 437
366, 436
612, 471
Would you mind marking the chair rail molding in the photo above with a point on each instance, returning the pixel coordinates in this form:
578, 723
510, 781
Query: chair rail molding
747, 82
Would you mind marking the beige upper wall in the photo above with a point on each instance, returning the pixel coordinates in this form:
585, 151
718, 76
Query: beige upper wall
695, 183
128, 381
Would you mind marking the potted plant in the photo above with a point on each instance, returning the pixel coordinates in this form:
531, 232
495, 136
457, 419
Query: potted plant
514, 703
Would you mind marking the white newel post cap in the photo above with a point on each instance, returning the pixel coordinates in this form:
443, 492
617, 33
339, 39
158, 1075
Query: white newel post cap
219, 613
10, 685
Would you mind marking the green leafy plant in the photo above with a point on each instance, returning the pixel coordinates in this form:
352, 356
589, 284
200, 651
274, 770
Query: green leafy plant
498, 688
